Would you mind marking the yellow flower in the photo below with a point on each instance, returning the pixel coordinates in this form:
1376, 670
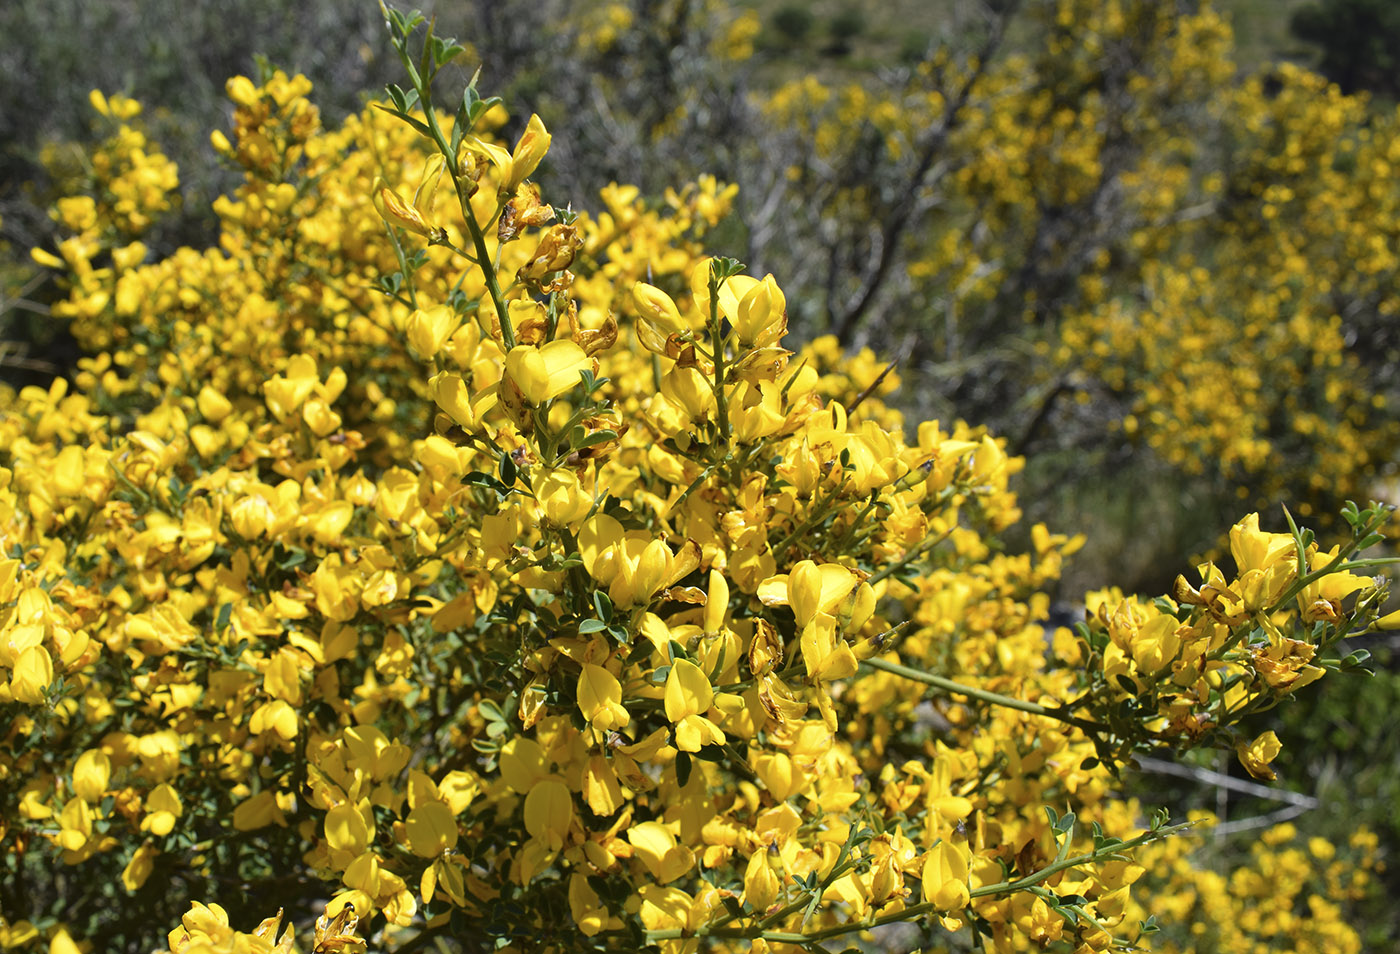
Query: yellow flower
33, 672
600, 698
1389, 621
258, 812
549, 811
587, 908
162, 808
1256, 756
91, 774
716, 602
656, 307
761, 884
633, 565
1254, 549
75, 825
544, 373
562, 497
655, 844
286, 392
762, 315
514, 168
213, 405
275, 716
139, 868
348, 829
335, 934
523, 764
690, 391
688, 694
809, 589
429, 328
529, 150
431, 828
397, 211
945, 876
449, 392
827, 655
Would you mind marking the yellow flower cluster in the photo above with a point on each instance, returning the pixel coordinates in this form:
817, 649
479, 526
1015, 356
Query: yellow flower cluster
481, 562
1207, 656
1205, 267
1289, 894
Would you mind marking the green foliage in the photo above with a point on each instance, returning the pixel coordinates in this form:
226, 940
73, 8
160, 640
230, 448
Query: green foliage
1359, 42
793, 22
842, 29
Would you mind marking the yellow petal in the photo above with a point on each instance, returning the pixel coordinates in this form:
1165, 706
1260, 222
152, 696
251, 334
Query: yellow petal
549, 810
688, 691
139, 868
533, 144
600, 698
656, 306
346, 829
431, 829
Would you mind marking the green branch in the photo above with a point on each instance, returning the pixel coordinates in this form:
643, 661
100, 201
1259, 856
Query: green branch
994, 698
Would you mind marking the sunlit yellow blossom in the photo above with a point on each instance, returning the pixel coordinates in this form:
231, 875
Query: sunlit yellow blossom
139, 868
432, 829
689, 695
945, 876
1255, 756
91, 773
544, 373
600, 698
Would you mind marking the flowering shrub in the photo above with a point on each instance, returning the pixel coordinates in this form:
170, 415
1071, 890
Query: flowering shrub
1287, 894
1112, 246
499, 576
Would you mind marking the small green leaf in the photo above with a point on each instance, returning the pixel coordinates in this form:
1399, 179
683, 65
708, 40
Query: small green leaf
603, 605
597, 437
711, 753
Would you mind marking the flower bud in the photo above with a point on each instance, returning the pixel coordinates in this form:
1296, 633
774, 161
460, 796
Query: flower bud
655, 306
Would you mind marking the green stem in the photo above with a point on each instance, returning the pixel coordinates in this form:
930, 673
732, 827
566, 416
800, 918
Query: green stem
1333, 567
483, 254
403, 266
993, 698
1338, 563
721, 400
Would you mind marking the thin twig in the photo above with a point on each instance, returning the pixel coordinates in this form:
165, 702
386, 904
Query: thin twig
871, 388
